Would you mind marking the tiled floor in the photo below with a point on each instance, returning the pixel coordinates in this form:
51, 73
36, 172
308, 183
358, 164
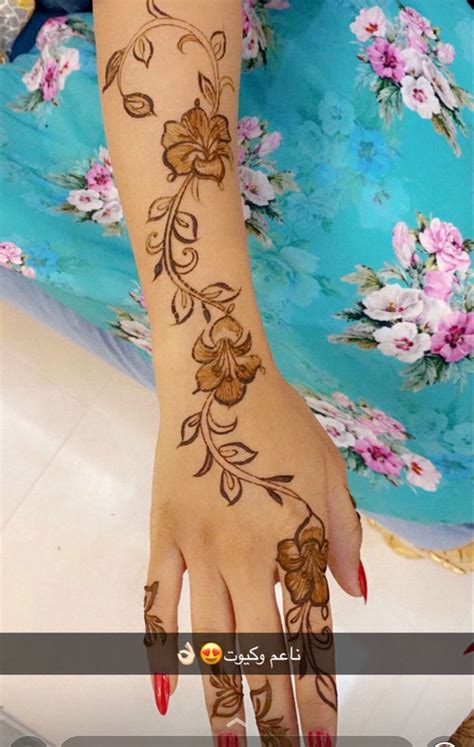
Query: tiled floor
77, 442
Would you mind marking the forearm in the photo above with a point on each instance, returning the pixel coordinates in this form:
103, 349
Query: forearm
176, 169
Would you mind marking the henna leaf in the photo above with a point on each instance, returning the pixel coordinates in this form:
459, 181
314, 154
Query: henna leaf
206, 466
159, 208
276, 496
280, 478
207, 89
226, 81
154, 243
220, 292
229, 695
206, 313
237, 453
185, 227
182, 306
190, 429
218, 44
112, 68
186, 38
262, 701
155, 10
158, 269
138, 105
143, 50
326, 689
231, 487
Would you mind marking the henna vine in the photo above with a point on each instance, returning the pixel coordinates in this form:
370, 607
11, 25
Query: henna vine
304, 560
197, 147
272, 732
153, 625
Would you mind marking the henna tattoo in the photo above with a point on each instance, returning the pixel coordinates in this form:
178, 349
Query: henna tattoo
197, 147
304, 561
194, 148
272, 731
153, 625
229, 695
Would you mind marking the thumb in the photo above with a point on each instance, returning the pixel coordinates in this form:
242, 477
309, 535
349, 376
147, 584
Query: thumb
162, 593
345, 533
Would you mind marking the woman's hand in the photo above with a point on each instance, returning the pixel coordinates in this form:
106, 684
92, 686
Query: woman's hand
237, 541
252, 491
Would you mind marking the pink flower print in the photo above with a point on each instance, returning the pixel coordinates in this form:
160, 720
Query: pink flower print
241, 154
445, 240
50, 78
32, 79
270, 142
370, 22
248, 127
403, 244
343, 400
85, 200
255, 186
98, 178
415, 22
393, 302
378, 457
55, 30
438, 284
10, 253
440, 85
402, 341
68, 62
445, 53
28, 272
434, 309
417, 43
454, 338
337, 431
418, 94
413, 61
104, 157
379, 422
421, 473
110, 213
386, 59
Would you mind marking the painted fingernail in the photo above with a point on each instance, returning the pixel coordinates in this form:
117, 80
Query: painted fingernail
227, 739
161, 686
318, 738
362, 581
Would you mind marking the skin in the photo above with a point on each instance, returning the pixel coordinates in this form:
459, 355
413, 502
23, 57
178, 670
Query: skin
236, 526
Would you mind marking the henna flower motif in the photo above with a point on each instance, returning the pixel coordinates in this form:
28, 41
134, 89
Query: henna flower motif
226, 366
304, 559
198, 144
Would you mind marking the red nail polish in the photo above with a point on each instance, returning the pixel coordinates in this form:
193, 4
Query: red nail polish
227, 739
318, 738
362, 581
161, 686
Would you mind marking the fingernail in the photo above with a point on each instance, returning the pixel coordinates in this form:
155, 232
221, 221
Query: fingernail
362, 581
161, 686
227, 739
318, 738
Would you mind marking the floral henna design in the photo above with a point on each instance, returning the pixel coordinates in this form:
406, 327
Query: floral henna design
272, 731
196, 147
304, 561
153, 625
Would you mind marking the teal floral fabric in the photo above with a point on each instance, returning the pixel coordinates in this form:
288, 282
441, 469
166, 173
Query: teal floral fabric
354, 158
